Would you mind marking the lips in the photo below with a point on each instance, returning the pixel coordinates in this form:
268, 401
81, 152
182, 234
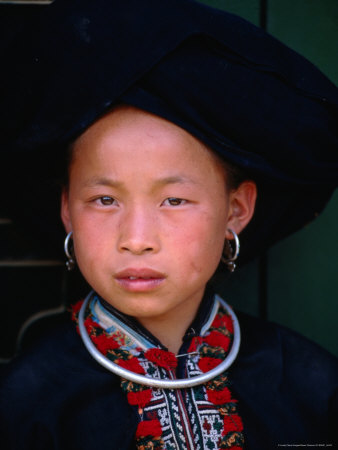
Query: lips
139, 279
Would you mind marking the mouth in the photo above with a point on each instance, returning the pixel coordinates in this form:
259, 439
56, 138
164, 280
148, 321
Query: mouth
139, 280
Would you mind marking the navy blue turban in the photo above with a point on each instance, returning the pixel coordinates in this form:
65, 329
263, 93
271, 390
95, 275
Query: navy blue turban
254, 101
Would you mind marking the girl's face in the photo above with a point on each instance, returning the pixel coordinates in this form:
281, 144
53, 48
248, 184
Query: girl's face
149, 210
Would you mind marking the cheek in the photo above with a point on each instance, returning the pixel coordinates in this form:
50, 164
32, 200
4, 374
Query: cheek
200, 244
89, 243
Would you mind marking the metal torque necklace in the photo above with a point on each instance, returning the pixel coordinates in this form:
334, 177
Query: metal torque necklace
158, 383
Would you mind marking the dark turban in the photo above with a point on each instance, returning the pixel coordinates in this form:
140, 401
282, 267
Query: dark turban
254, 101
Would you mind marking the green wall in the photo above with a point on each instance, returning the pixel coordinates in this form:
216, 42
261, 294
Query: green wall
300, 281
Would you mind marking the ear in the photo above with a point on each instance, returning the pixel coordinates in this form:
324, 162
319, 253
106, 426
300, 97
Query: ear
241, 207
65, 216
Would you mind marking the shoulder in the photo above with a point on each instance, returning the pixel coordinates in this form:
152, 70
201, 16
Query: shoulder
281, 347
56, 390
286, 384
57, 353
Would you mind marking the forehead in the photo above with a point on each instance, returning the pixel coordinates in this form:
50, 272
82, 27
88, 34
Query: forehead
131, 133
127, 124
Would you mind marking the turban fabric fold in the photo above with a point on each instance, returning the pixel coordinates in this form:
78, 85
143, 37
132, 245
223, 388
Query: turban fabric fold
254, 101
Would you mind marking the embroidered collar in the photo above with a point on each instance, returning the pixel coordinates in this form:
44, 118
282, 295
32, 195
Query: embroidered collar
203, 417
201, 320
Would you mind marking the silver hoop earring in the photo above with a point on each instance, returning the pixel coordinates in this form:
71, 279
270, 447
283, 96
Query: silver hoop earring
70, 264
230, 254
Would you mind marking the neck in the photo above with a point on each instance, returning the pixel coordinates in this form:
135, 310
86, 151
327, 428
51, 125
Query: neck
170, 334
170, 328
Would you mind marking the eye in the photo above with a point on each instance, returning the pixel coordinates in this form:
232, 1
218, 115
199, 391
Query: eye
106, 200
174, 201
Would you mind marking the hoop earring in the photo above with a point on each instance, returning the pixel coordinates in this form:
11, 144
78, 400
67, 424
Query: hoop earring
229, 254
70, 264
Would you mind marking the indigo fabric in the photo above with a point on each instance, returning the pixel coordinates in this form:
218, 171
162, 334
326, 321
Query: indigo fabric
56, 397
254, 101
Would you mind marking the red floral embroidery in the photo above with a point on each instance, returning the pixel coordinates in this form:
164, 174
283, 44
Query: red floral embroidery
195, 343
90, 325
228, 323
162, 358
207, 363
217, 339
140, 398
131, 364
223, 321
232, 423
74, 310
105, 343
149, 428
219, 397
149, 432
217, 322
76, 307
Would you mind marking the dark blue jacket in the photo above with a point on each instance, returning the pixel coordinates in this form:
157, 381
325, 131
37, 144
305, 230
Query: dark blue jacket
56, 397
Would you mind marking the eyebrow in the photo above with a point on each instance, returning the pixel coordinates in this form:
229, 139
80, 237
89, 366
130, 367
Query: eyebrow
110, 182
102, 181
176, 179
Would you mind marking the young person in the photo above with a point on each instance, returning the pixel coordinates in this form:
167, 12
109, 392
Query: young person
161, 177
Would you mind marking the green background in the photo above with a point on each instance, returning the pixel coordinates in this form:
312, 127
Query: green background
300, 281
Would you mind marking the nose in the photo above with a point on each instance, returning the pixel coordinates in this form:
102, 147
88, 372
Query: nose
138, 231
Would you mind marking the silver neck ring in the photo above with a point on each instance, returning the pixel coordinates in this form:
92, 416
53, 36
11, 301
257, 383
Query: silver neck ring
182, 383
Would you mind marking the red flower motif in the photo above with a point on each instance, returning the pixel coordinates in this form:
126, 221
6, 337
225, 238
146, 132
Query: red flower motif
131, 364
217, 322
217, 339
195, 343
219, 397
149, 428
140, 398
76, 307
228, 324
232, 423
223, 321
90, 324
162, 358
207, 363
105, 343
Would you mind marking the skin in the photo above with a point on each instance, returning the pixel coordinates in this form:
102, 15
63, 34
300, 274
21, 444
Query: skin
144, 195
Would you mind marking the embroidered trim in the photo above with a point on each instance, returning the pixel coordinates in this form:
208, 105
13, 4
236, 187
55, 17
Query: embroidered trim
212, 349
